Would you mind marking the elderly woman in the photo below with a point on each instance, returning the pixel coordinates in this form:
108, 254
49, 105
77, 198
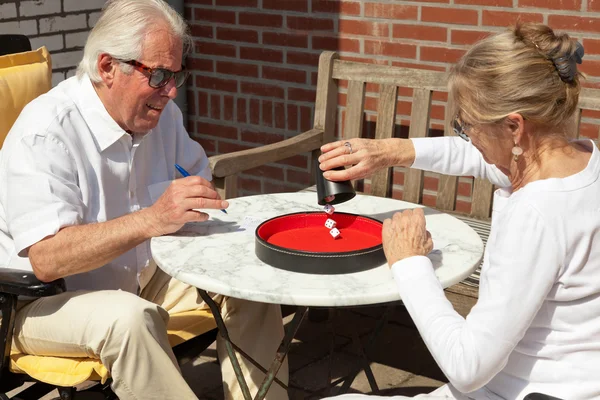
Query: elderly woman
536, 325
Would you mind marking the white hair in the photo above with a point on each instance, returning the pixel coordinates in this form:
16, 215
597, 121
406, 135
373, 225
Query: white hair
121, 29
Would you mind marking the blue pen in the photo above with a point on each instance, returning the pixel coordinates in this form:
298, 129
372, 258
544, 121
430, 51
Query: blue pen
185, 173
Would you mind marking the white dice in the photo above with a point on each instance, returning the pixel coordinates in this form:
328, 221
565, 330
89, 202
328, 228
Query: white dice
335, 233
330, 223
329, 209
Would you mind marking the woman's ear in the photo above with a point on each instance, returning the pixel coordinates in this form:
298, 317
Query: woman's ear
107, 68
516, 124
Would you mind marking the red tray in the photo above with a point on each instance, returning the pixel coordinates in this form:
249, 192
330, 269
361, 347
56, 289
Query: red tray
300, 242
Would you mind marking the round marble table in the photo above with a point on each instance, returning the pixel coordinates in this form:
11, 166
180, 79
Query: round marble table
218, 255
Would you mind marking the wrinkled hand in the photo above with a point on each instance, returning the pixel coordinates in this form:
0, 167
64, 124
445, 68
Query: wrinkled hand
405, 236
368, 156
177, 204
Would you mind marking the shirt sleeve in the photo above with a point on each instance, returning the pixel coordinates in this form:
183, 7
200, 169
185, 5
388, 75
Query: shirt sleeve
454, 156
190, 154
43, 195
523, 264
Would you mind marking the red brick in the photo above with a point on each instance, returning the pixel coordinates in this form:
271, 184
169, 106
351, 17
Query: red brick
571, 5
403, 107
254, 111
292, 117
391, 11
214, 83
203, 104
261, 54
590, 114
573, 23
336, 7
593, 5
210, 146
491, 3
217, 130
299, 58
237, 35
237, 3
204, 31
420, 32
241, 110
430, 183
449, 15
215, 49
389, 49
590, 67
212, 15
215, 106
463, 206
279, 115
440, 96
437, 112
262, 89
365, 28
335, 43
314, 77
188, 13
369, 60
592, 46
285, 39
398, 178
228, 147
306, 121
260, 137
419, 66
297, 94
201, 64
505, 18
458, 36
428, 200
260, 19
440, 54
203, 2
300, 177
283, 74
228, 108
237, 68
588, 130
191, 98
309, 23
287, 5
405, 92
252, 185
267, 113
464, 189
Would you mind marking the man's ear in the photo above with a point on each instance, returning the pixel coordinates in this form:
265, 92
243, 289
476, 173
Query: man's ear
107, 67
516, 124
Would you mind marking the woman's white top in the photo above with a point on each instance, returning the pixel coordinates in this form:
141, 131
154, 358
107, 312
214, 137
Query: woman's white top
536, 325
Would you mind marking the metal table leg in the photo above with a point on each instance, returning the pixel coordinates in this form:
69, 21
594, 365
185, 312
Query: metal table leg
282, 351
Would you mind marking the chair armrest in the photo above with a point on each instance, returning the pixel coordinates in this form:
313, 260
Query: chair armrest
231, 163
24, 283
539, 396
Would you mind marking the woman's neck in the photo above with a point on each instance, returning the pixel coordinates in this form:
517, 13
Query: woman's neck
553, 159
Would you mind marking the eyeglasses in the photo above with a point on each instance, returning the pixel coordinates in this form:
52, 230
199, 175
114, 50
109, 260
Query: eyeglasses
460, 129
159, 77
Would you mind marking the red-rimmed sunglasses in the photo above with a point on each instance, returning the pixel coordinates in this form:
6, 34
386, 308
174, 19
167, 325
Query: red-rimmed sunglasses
159, 77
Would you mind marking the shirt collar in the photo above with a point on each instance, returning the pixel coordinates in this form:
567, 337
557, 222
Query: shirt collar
103, 127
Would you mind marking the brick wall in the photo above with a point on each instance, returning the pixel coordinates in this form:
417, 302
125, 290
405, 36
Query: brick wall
256, 60
60, 25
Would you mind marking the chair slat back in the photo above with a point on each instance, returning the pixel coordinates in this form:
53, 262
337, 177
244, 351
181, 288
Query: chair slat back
423, 83
386, 121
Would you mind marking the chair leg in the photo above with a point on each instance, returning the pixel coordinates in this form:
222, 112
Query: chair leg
66, 393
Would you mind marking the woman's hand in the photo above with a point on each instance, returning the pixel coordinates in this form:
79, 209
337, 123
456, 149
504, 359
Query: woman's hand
405, 236
365, 156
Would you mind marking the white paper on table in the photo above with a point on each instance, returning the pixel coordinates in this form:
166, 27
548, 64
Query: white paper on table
249, 224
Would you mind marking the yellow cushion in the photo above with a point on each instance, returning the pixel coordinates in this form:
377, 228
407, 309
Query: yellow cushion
62, 371
23, 77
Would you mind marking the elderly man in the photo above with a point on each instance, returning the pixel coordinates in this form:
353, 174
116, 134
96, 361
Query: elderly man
86, 179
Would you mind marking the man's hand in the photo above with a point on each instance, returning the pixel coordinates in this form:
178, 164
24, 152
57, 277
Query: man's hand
177, 204
405, 236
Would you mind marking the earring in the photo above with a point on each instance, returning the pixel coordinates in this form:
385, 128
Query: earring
516, 151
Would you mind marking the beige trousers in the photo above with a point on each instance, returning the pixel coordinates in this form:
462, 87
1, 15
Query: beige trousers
128, 334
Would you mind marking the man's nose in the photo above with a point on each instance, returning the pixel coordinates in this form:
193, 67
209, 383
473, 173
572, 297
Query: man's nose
170, 90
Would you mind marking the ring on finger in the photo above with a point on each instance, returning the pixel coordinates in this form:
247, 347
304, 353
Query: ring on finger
349, 146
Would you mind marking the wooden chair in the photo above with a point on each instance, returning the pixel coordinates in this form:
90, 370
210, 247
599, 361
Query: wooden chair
423, 83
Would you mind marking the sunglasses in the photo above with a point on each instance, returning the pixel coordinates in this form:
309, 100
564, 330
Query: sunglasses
460, 129
159, 77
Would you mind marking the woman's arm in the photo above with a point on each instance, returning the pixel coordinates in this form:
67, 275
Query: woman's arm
521, 265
